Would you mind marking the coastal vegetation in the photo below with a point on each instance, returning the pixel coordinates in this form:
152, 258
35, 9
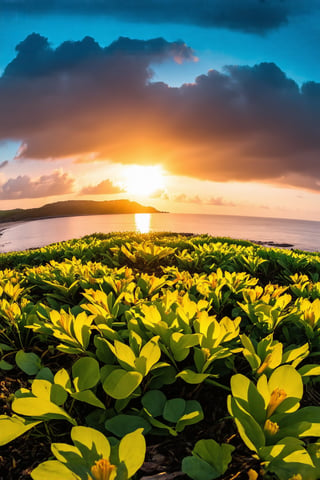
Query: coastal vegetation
159, 356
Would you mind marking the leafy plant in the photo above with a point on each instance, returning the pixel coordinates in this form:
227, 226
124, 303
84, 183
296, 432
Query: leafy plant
269, 354
209, 460
92, 458
177, 411
269, 420
121, 382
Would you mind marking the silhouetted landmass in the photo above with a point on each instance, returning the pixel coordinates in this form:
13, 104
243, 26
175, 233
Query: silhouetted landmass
74, 208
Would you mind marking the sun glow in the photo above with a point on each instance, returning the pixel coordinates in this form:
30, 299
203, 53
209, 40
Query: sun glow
143, 181
142, 221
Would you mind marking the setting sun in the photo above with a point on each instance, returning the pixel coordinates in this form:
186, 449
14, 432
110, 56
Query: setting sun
143, 181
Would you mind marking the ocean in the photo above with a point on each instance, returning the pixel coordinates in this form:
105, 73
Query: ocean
301, 234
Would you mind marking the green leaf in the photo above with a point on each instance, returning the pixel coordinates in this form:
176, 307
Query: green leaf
13, 427
308, 370
121, 425
288, 458
58, 394
193, 414
180, 344
40, 408
151, 352
120, 383
62, 378
305, 422
125, 355
218, 456
174, 409
53, 470
5, 348
70, 456
41, 389
154, 402
164, 375
29, 363
91, 443
48, 391
295, 354
45, 374
189, 376
103, 351
249, 430
198, 469
132, 450
86, 373
247, 395
5, 365
156, 423
87, 396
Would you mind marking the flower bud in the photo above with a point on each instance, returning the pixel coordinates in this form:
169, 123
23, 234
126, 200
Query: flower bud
277, 397
103, 470
271, 427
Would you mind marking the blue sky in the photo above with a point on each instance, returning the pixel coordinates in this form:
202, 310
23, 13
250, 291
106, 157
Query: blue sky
249, 128
293, 47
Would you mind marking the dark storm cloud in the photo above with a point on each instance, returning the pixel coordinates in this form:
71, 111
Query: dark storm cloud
35, 57
256, 16
23, 187
245, 123
105, 187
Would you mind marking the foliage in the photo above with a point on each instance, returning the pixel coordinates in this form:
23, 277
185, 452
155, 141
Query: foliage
121, 334
91, 457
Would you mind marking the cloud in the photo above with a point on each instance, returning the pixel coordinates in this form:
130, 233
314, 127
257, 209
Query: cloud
159, 193
105, 187
36, 58
246, 123
183, 198
220, 202
4, 163
217, 201
257, 16
21, 187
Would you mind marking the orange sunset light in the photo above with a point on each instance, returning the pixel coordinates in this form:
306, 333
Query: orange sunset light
143, 180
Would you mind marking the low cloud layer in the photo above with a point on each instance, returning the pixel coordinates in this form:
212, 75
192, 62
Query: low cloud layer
257, 16
216, 201
23, 187
245, 123
106, 187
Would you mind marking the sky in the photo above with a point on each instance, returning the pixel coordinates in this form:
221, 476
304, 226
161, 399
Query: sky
191, 106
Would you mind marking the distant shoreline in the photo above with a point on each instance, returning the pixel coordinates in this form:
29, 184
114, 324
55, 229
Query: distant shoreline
5, 225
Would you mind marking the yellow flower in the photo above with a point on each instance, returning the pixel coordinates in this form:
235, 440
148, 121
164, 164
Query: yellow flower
296, 477
265, 364
252, 474
277, 397
103, 470
206, 352
271, 427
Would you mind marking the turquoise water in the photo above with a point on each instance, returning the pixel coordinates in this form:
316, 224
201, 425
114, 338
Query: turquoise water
303, 234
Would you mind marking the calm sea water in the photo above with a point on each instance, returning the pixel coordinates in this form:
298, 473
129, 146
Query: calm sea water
301, 234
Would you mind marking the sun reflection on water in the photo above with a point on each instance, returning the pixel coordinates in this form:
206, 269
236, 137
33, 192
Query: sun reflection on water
142, 221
